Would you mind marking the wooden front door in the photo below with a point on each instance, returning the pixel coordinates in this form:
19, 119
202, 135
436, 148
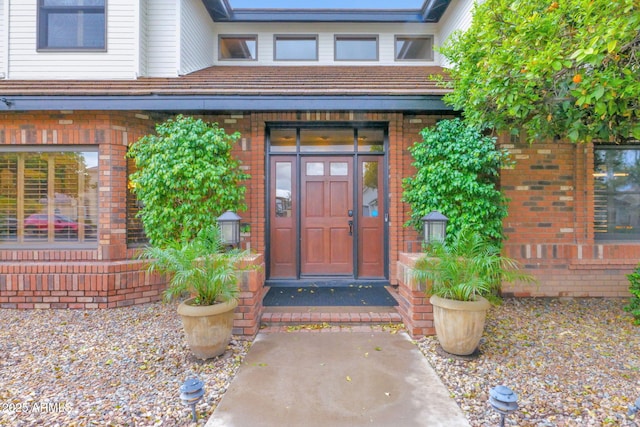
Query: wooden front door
327, 203
327, 216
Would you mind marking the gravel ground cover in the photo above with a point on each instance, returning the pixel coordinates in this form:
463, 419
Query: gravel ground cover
572, 363
120, 367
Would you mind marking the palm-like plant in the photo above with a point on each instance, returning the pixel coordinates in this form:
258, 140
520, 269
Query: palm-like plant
199, 266
467, 267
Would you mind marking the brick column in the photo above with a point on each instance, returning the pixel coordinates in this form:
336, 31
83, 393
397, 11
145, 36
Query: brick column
414, 305
248, 314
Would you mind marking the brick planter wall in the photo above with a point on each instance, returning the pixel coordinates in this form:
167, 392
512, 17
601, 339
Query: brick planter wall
246, 320
413, 304
77, 284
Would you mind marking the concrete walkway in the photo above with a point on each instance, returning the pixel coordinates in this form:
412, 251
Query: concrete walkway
336, 379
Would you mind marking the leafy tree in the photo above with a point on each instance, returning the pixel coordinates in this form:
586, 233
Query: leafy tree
186, 177
567, 68
457, 170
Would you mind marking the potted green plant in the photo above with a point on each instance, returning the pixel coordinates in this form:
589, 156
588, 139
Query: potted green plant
200, 267
459, 276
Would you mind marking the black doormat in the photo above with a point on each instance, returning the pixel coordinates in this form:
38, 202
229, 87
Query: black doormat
353, 295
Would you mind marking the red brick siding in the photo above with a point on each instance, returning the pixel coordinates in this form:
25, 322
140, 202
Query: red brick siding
104, 276
550, 224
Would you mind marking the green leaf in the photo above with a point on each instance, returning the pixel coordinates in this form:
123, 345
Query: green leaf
598, 92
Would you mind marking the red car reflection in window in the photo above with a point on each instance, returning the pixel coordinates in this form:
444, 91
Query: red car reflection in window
38, 224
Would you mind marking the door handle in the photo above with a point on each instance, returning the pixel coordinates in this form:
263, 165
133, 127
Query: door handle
350, 228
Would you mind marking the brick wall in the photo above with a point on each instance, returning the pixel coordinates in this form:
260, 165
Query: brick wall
89, 277
550, 224
549, 227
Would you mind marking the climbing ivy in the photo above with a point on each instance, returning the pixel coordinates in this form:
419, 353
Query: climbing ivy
186, 177
457, 169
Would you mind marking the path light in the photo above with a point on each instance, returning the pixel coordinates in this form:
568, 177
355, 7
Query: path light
503, 400
190, 393
434, 227
229, 223
634, 408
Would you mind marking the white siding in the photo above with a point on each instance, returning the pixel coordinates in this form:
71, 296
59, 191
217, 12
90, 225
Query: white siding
325, 32
4, 33
196, 37
457, 17
162, 38
118, 62
142, 38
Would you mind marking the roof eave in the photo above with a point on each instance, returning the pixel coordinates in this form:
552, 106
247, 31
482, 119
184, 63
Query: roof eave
227, 103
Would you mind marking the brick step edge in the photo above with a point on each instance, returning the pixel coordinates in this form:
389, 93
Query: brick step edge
340, 318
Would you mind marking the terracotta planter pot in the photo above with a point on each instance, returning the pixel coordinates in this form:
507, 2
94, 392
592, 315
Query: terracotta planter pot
459, 324
207, 327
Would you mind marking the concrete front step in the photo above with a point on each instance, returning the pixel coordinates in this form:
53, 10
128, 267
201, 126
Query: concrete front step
291, 316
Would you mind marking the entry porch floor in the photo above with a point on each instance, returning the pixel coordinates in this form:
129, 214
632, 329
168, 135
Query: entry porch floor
300, 317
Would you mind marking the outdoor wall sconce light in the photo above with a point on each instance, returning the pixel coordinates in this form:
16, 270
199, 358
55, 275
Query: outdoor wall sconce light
503, 400
434, 226
190, 393
229, 223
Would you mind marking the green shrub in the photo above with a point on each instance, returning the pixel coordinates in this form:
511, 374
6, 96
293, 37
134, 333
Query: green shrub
186, 177
457, 170
466, 267
634, 288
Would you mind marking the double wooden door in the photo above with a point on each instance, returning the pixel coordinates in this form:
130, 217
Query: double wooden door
327, 217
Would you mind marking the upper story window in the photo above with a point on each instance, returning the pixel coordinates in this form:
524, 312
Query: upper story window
296, 48
72, 24
356, 48
238, 47
49, 196
617, 192
414, 48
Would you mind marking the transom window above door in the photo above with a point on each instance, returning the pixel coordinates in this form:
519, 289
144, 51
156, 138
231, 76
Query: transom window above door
326, 140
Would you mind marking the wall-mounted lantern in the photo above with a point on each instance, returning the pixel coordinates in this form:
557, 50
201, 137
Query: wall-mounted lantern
434, 227
229, 223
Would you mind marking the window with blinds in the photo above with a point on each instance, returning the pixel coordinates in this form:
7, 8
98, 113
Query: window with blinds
617, 192
49, 197
135, 230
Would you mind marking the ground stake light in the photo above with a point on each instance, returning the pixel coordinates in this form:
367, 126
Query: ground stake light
190, 393
503, 400
434, 227
229, 223
634, 408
